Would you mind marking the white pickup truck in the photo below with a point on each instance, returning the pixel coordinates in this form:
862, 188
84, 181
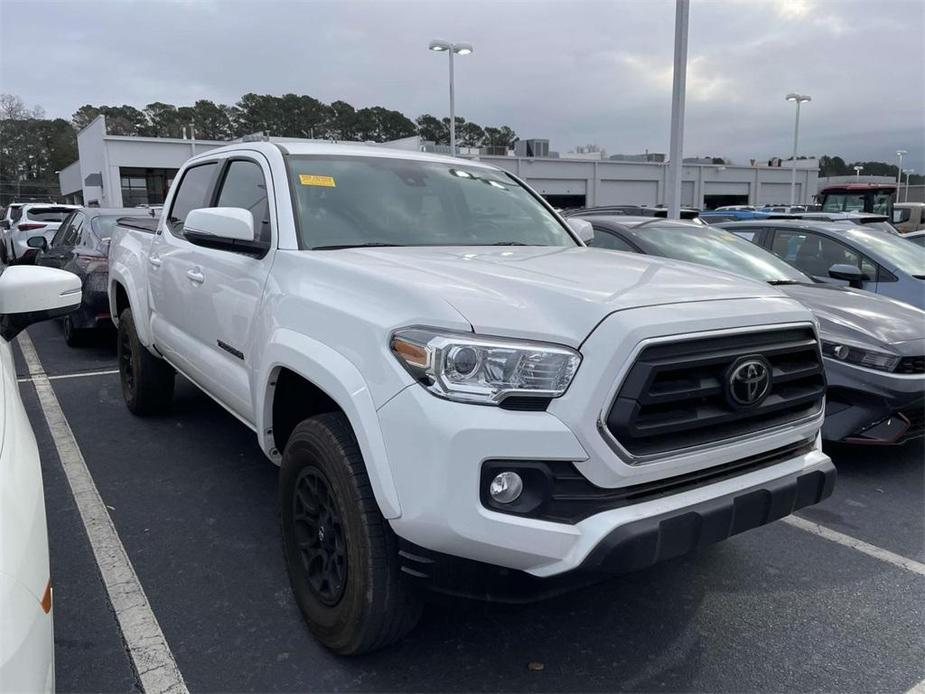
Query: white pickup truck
459, 393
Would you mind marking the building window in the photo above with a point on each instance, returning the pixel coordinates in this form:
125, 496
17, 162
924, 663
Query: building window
145, 186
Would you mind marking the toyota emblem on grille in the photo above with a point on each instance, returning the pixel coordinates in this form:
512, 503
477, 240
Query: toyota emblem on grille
748, 381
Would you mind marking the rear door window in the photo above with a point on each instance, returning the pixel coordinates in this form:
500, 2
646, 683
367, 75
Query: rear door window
194, 192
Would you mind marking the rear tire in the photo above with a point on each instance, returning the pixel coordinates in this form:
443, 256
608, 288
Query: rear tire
73, 337
147, 382
341, 554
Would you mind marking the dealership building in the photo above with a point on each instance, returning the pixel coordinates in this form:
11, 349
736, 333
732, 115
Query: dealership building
126, 171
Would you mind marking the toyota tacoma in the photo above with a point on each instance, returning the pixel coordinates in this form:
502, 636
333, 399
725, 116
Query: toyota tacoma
460, 394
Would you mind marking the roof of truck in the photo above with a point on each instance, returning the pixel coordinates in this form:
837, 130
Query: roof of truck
345, 149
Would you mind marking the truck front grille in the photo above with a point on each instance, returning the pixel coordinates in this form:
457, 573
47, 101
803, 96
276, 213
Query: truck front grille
681, 394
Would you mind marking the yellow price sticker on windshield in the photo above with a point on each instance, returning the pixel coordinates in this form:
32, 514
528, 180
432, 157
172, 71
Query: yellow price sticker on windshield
313, 180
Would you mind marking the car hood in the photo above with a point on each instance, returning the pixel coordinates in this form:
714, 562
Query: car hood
553, 294
863, 316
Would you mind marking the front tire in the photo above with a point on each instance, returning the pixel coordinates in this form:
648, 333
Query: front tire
147, 382
341, 554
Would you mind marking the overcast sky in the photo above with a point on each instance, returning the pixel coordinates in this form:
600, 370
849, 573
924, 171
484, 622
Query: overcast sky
576, 72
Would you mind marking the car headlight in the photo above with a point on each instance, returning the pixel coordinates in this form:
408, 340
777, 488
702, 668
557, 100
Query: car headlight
485, 370
858, 356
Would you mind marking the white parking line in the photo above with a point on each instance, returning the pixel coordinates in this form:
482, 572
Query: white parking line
156, 667
848, 541
82, 374
918, 688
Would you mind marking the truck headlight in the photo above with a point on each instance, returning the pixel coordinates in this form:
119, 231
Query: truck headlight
861, 357
485, 370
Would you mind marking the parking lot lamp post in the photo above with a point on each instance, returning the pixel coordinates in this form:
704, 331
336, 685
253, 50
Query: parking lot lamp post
450, 49
857, 171
797, 99
899, 171
678, 93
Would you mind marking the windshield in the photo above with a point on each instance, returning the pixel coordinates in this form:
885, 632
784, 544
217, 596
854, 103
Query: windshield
904, 256
717, 248
345, 201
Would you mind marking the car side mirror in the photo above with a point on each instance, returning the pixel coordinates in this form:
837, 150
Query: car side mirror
37, 242
30, 293
224, 228
231, 223
850, 273
582, 228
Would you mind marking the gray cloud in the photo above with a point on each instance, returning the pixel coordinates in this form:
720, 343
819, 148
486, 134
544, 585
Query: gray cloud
576, 72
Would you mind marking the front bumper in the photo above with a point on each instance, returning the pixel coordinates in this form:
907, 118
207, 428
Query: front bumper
633, 546
865, 406
436, 465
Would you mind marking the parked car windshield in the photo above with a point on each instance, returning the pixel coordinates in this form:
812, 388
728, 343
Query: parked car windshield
717, 248
905, 256
345, 201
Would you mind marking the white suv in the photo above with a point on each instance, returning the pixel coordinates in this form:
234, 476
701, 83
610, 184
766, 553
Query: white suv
35, 219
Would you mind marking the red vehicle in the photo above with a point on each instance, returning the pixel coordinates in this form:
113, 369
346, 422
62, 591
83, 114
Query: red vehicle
859, 197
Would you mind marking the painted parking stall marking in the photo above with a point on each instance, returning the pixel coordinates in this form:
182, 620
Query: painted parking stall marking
151, 656
82, 374
855, 544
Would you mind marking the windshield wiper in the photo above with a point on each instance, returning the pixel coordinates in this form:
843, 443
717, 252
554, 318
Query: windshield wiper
509, 243
337, 247
777, 283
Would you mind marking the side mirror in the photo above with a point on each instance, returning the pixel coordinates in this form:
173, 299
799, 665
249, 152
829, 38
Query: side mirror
231, 223
850, 273
224, 228
37, 242
29, 294
582, 228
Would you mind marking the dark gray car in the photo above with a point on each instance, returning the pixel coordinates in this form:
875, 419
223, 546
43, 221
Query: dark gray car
845, 254
873, 347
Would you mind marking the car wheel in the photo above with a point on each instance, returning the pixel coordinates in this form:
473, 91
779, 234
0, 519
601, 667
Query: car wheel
147, 382
341, 554
72, 336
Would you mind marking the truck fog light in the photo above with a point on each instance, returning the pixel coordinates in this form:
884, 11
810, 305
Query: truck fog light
506, 487
841, 352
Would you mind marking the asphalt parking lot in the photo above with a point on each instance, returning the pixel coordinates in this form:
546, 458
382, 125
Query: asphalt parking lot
193, 500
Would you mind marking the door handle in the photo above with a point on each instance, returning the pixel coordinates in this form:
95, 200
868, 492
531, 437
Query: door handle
196, 276
154, 260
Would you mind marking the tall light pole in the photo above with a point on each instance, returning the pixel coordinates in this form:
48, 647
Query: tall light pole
908, 172
797, 99
899, 171
451, 49
678, 91
857, 171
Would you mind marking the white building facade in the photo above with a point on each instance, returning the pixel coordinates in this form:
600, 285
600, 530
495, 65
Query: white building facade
122, 171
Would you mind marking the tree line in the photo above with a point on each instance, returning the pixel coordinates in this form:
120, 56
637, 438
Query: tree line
836, 166
289, 115
34, 148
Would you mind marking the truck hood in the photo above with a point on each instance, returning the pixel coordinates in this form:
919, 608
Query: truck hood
861, 316
553, 294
